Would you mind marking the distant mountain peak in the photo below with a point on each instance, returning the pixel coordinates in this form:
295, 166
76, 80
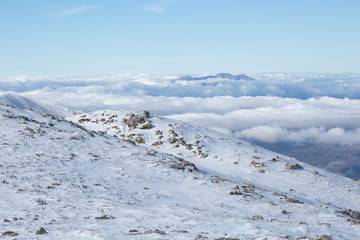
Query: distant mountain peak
219, 75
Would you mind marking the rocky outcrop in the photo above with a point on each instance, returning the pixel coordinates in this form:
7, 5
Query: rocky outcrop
132, 120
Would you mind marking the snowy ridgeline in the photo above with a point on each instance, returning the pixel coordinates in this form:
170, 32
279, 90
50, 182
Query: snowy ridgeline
123, 175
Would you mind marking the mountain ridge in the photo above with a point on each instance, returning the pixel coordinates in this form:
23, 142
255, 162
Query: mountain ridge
219, 75
21, 102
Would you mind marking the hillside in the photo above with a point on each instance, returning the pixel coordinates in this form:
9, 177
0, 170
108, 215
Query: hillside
21, 102
123, 175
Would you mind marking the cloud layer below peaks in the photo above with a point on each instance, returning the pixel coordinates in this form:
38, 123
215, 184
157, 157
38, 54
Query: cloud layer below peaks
322, 108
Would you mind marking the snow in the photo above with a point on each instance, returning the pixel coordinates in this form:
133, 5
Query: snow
20, 102
91, 176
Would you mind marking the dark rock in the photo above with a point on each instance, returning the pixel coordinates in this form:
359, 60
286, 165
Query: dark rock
290, 200
354, 214
146, 114
9, 233
30, 130
105, 217
41, 231
130, 141
80, 120
250, 186
199, 236
257, 164
140, 140
146, 125
322, 237
218, 179
303, 223
280, 195
157, 143
77, 138
177, 166
155, 231
133, 120
257, 217
181, 141
351, 213
293, 166
236, 192
151, 153
41, 202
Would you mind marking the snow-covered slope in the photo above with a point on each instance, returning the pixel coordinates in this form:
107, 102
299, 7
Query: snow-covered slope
21, 102
158, 179
231, 158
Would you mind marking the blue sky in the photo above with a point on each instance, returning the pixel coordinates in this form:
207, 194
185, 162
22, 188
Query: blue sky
65, 37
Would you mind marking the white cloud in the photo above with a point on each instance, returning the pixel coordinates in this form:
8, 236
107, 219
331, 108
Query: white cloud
279, 107
73, 11
274, 134
263, 133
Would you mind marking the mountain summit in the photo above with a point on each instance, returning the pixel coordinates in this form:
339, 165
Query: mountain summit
219, 75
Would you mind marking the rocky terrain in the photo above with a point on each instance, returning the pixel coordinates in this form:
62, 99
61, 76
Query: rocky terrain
115, 174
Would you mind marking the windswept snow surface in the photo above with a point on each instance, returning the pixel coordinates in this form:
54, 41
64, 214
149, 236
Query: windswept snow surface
21, 102
158, 179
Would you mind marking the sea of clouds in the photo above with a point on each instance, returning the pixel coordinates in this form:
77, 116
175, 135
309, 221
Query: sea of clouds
274, 107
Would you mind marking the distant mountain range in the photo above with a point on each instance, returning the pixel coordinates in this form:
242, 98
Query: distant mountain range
219, 75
